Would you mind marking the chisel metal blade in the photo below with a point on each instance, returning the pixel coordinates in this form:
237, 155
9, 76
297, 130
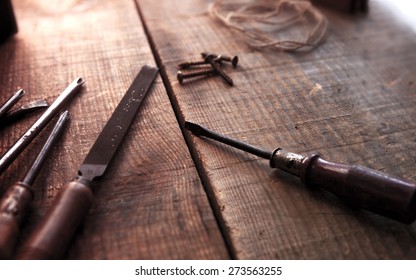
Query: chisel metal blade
113, 133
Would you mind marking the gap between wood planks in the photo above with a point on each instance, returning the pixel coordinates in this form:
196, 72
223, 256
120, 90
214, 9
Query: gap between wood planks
192, 150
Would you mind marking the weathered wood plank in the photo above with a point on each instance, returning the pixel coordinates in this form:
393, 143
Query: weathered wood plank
352, 100
150, 204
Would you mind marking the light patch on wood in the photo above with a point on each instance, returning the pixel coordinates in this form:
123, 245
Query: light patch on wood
316, 89
393, 82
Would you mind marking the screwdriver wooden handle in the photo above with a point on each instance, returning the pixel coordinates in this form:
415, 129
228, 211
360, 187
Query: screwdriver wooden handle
359, 186
51, 238
13, 207
365, 188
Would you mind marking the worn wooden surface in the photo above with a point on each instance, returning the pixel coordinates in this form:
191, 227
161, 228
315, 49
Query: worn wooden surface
149, 205
352, 99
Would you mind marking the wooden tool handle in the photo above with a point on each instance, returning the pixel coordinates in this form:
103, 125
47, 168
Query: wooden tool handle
371, 190
51, 238
13, 207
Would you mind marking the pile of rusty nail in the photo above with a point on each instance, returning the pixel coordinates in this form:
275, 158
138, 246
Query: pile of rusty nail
215, 67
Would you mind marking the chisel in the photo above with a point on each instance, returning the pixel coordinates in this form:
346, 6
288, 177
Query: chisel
359, 186
51, 238
14, 203
24, 111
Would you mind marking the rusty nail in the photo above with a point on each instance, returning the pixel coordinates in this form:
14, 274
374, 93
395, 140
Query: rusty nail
220, 58
185, 65
181, 76
211, 60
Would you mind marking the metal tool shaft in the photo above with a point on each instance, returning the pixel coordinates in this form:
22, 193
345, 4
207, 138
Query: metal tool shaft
203, 131
37, 127
50, 142
11, 101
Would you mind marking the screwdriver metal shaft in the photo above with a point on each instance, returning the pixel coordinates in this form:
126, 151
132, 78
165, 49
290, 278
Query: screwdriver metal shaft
15, 201
202, 131
362, 187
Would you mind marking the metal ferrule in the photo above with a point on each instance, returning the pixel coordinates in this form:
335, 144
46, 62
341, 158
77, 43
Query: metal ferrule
84, 181
286, 161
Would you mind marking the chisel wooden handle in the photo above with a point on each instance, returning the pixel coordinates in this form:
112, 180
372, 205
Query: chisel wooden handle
51, 238
359, 186
13, 207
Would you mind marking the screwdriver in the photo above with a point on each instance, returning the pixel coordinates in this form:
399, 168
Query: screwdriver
17, 198
359, 186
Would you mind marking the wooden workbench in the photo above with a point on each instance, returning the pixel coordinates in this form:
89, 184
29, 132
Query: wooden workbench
170, 195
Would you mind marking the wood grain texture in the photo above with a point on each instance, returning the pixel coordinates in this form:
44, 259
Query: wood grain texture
150, 204
351, 99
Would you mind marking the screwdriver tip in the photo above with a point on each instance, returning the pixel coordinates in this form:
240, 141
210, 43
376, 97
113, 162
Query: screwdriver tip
20, 93
64, 115
199, 130
194, 128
